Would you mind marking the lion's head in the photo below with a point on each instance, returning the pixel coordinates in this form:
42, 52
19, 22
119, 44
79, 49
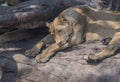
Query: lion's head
61, 31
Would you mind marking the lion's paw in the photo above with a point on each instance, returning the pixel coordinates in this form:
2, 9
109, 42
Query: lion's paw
32, 52
41, 59
92, 59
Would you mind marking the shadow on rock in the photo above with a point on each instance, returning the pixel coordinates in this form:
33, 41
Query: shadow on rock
9, 69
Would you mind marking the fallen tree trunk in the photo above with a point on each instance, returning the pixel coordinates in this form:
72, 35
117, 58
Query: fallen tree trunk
29, 14
33, 13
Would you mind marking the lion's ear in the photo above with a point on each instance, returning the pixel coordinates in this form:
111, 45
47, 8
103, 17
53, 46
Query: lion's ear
48, 24
62, 19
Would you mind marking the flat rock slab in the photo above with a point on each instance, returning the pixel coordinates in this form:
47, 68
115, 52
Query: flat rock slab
66, 66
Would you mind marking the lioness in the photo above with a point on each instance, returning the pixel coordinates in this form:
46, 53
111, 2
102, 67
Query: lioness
76, 25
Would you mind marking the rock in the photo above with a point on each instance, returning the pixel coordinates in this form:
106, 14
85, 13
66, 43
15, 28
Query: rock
66, 66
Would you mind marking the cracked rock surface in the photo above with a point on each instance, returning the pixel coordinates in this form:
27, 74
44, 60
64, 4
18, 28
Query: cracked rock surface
66, 66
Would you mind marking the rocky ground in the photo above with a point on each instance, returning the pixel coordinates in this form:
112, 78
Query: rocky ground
66, 66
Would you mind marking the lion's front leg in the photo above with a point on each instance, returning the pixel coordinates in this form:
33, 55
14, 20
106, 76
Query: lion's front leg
37, 48
48, 52
110, 50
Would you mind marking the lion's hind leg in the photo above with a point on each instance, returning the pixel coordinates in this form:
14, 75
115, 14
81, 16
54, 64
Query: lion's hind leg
110, 50
37, 48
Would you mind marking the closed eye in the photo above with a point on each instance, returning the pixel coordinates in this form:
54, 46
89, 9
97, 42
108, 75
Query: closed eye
59, 30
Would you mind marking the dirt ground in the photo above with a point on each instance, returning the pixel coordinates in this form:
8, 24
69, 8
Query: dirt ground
66, 66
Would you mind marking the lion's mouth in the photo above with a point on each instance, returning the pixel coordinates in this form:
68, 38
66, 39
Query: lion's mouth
64, 44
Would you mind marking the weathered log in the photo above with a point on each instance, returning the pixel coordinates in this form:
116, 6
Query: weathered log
30, 13
12, 2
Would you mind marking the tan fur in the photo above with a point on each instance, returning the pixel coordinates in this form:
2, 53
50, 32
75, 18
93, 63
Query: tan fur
78, 24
